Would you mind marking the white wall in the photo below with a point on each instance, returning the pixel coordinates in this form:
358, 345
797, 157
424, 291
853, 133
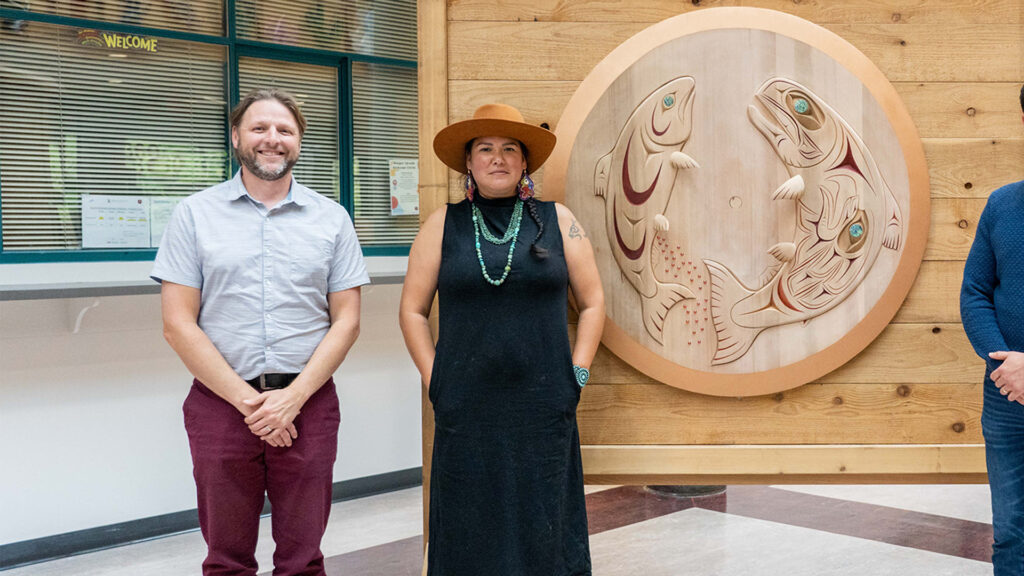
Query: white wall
92, 421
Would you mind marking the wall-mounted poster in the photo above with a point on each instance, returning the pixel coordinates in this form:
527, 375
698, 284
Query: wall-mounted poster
756, 194
112, 221
404, 181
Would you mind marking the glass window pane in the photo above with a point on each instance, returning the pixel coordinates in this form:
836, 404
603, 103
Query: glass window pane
82, 118
372, 27
198, 16
384, 126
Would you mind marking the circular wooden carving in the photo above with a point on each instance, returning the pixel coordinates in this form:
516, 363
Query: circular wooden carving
756, 194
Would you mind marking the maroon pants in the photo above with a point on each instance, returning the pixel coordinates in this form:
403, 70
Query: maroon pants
233, 469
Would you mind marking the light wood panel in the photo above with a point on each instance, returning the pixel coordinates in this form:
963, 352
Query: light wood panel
954, 221
539, 100
433, 174
964, 109
939, 109
569, 50
782, 464
811, 414
935, 296
938, 12
973, 168
432, 76
903, 353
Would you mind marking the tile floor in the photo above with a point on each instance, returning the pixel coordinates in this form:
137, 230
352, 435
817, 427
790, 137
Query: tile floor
750, 530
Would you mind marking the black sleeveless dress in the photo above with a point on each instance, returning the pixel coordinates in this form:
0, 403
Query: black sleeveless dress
506, 482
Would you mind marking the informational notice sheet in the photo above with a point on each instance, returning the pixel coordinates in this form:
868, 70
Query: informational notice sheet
405, 197
115, 221
160, 209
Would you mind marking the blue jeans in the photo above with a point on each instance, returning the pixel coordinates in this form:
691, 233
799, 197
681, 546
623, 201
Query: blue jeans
1002, 423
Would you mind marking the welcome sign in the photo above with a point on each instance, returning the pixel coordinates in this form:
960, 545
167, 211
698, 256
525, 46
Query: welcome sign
98, 39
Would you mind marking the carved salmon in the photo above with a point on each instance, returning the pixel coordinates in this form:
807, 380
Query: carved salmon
846, 214
636, 179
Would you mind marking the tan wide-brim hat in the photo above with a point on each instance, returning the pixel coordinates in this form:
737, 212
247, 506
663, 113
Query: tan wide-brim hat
493, 120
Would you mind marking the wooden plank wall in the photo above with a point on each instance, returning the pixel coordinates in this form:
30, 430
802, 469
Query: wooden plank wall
958, 67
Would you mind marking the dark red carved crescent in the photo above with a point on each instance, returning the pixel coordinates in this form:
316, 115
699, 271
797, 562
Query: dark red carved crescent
630, 253
634, 197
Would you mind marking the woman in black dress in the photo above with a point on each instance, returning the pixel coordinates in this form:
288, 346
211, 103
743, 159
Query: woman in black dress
506, 485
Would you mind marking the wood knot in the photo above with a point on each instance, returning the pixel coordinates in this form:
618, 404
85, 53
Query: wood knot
958, 427
545, 125
842, 468
903, 391
903, 42
971, 111
778, 397
695, 2
896, 16
963, 224
837, 400
968, 185
936, 329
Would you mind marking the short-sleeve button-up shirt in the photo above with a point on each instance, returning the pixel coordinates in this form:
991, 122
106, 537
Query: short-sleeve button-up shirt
264, 275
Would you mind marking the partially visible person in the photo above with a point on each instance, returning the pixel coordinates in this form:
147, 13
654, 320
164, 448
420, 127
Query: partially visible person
506, 484
260, 295
992, 309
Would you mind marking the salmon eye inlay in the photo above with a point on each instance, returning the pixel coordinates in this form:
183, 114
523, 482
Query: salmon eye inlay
856, 231
801, 106
668, 101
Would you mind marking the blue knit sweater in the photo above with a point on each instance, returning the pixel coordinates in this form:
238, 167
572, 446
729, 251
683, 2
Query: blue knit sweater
992, 294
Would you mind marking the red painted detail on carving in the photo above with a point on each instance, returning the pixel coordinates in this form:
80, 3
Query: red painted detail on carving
634, 197
654, 128
632, 254
848, 162
783, 299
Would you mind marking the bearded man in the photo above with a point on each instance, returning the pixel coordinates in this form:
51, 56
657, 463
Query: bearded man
260, 296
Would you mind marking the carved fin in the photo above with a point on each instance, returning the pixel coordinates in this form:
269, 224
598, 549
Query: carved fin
790, 189
726, 290
783, 251
601, 174
655, 309
660, 223
769, 273
683, 161
894, 225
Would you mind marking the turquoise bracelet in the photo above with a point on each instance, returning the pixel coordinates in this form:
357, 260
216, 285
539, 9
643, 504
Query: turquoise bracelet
582, 375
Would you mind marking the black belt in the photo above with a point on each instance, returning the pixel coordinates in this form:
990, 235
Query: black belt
271, 381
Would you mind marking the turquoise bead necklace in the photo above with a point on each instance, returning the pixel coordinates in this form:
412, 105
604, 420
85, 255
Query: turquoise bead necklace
511, 235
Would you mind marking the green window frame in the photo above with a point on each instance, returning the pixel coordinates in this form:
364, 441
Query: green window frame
237, 48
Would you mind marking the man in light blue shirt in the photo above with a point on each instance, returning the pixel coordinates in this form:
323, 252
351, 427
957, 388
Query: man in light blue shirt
260, 294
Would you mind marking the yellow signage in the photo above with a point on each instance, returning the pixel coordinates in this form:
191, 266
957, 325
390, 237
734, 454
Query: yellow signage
116, 41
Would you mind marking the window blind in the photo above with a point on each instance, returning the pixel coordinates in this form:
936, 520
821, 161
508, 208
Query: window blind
384, 28
316, 88
84, 118
384, 125
198, 16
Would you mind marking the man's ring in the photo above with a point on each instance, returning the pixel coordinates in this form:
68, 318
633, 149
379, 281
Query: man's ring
267, 429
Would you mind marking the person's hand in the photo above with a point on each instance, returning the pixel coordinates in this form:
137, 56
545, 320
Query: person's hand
273, 416
1009, 377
